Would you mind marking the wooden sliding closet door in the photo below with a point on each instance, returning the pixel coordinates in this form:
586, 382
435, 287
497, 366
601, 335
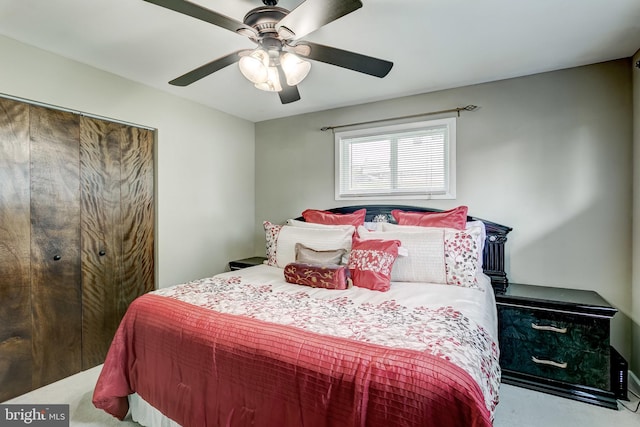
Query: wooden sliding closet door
117, 227
100, 164
76, 239
138, 219
56, 303
15, 256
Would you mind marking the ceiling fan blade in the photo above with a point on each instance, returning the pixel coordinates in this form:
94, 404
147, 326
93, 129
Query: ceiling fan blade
206, 69
199, 12
288, 93
343, 58
313, 14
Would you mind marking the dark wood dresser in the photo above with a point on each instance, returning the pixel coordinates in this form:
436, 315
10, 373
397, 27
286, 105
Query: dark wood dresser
556, 340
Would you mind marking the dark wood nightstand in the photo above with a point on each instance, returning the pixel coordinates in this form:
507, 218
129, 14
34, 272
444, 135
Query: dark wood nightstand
556, 340
246, 262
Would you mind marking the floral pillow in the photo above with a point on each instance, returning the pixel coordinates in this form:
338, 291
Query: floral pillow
371, 262
461, 259
272, 231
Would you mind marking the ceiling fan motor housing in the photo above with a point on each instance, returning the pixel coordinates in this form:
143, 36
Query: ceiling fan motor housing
264, 19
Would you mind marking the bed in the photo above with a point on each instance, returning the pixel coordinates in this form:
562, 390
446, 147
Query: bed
397, 346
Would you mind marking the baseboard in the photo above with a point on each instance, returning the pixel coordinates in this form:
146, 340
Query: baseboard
634, 382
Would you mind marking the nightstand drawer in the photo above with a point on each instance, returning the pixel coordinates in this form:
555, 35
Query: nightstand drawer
554, 345
590, 369
552, 330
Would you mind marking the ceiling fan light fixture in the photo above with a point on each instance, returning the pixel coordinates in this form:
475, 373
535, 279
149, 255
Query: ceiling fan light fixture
295, 69
272, 83
255, 66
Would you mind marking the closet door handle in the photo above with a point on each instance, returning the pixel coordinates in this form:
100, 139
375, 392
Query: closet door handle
56, 257
102, 253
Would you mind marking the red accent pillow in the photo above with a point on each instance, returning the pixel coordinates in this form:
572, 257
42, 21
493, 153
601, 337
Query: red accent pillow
317, 276
454, 218
355, 218
371, 261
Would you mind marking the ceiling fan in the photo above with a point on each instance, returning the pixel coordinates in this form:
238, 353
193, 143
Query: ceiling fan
277, 63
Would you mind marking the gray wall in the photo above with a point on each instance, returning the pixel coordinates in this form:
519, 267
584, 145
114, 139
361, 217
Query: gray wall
549, 155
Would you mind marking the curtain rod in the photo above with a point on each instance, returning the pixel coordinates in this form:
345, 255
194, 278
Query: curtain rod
452, 110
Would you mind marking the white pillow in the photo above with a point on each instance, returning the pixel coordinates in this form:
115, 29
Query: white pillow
475, 229
319, 239
372, 226
305, 224
425, 261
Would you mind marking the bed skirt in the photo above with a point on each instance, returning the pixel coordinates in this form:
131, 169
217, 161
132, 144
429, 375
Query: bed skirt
146, 415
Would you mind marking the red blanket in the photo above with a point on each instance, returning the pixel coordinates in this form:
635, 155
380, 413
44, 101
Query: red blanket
203, 368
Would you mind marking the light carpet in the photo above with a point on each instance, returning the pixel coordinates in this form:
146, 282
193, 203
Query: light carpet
518, 407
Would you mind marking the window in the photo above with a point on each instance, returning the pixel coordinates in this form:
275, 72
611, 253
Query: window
410, 161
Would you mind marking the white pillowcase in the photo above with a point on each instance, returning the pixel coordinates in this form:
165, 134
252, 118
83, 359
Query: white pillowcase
319, 239
475, 229
305, 224
425, 261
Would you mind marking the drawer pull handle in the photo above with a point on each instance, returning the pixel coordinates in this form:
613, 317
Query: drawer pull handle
549, 362
549, 328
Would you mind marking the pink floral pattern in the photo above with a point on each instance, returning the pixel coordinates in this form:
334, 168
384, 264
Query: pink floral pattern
461, 259
371, 260
271, 233
442, 331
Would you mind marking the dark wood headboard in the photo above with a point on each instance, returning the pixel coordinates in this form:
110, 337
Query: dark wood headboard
493, 254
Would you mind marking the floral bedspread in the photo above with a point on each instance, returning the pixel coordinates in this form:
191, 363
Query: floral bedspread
441, 331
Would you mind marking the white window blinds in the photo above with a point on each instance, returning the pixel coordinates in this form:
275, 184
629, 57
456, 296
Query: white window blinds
412, 160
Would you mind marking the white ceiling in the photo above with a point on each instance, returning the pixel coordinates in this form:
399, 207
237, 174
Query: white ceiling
434, 44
